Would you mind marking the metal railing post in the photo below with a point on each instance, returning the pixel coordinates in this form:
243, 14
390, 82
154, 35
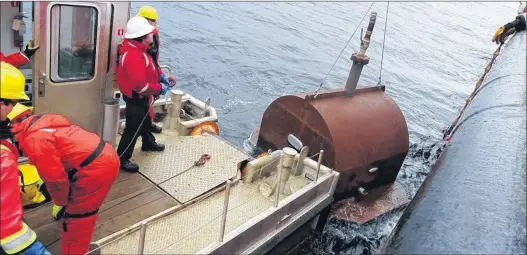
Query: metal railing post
279, 180
142, 234
225, 209
318, 164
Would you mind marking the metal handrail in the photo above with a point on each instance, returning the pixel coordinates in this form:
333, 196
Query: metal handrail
167, 67
228, 185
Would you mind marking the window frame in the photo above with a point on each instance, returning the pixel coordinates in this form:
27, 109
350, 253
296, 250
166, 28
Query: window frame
53, 44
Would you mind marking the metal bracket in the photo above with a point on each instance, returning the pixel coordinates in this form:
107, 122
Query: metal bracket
295, 142
361, 34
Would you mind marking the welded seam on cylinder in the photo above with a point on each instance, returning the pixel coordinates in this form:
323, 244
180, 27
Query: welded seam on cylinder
487, 84
484, 110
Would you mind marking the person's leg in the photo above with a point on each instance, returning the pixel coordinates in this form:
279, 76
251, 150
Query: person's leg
87, 195
149, 140
154, 128
134, 115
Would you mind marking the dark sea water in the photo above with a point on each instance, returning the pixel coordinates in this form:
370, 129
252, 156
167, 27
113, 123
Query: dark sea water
245, 55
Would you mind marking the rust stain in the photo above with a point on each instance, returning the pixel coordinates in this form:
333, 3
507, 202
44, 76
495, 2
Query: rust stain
376, 203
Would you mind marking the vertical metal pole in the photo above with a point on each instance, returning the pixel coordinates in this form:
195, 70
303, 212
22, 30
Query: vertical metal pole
142, 234
360, 59
225, 209
318, 164
279, 180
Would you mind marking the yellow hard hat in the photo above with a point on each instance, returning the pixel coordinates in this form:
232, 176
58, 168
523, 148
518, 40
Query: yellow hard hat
19, 110
29, 174
12, 83
147, 12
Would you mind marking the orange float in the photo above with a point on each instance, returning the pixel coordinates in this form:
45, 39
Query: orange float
205, 128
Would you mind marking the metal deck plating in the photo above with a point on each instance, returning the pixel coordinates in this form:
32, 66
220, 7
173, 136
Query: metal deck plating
171, 169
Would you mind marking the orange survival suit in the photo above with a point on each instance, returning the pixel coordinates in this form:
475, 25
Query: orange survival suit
78, 167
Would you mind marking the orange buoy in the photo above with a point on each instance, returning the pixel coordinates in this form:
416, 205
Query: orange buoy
205, 128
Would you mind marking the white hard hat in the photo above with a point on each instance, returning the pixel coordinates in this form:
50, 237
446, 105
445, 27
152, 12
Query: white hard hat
522, 8
137, 27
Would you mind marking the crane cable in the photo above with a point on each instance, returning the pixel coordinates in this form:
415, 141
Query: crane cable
357, 28
383, 41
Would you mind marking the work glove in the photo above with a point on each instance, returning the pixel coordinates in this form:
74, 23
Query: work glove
170, 81
497, 36
164, 90
37, 248
31, 48
57, 211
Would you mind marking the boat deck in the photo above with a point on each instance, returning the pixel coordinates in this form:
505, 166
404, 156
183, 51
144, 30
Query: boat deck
131, 199
168, 182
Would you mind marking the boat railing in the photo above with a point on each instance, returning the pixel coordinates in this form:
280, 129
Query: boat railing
136, 234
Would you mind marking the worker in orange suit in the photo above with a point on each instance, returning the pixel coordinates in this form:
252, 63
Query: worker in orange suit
150, 14
78, 168
15, 236
19, 59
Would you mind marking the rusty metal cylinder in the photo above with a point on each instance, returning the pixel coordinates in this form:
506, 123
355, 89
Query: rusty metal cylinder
356, 132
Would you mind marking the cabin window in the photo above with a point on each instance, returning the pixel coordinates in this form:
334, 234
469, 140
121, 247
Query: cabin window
73, 42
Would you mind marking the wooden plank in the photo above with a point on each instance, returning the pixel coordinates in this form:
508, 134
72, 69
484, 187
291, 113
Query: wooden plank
119, 192
123, 176
48, 233
39, 216
131, 199
136, 182
111, 203
129, 218
146, 197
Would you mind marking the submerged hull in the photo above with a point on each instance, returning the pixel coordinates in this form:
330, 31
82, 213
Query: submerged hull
474, 199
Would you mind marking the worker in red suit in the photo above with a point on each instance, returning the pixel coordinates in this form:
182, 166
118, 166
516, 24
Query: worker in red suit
138, 79
15, 236
19, 59
150, 14
78, 168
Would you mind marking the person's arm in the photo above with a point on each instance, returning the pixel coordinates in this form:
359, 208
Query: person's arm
518, 24
14, 233
135, 67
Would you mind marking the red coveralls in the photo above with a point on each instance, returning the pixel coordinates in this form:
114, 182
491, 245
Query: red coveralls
17, 59
78, 167
15, 235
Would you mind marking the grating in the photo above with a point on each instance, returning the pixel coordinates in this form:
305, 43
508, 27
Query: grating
196, 226
180, 154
